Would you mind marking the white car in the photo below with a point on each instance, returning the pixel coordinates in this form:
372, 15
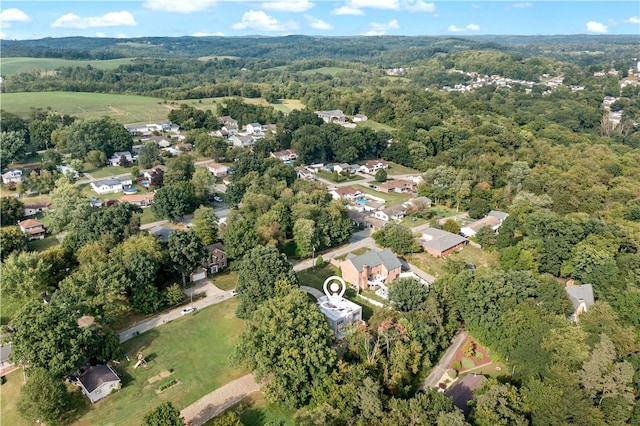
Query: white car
187, 310
234, 293
217, 199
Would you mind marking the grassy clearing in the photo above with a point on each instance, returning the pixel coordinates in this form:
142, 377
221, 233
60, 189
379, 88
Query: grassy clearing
226, 280
194, 350
332, 71
376, 126
435, 266
329, 176
17, 65
108, 171
147, 216
399, 169
392, 198
42, 245
260, 412
10, 392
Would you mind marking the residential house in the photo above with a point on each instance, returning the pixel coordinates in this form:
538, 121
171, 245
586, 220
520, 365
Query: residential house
173, 151
217, 260
217, 169
333, 116
391, 214
439, 243
346, 192
581, 297
12, 176
161, 232
242, 141
371, 268
284, 155
498, 214
161, 141
33, 209
150, 174
68, 171
418, 203
33, 229
340, 313
360, 117
110, 185
472, 229
397, 185
98, 382
364, 220
198, 274
138, 130
462, 392
254, 128
344, 167
226, 120
117, 157
230, 130
184, 147
305, 173
140, 200
372, 166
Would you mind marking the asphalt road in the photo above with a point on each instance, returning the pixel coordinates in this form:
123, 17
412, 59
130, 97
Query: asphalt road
440, 368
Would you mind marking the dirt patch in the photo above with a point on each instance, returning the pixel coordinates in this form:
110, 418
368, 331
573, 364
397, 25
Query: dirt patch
160, 376
463, 362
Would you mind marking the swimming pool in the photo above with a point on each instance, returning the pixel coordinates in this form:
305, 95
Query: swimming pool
362, 201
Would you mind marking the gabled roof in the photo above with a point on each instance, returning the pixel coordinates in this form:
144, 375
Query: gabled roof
440, 240
107, 182
374, 258
498, 214
485, 221
96, 376
398, 183
215, 246
580, 294
37, 205
346, 190
30, 223
394, 210
462, 392
133, 198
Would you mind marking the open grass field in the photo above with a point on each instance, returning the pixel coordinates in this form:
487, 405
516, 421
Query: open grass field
226, 280
17, 65
329, 176
376, 126
194, 350
260, 412
435, 266
332, 71
399, 169
10, 391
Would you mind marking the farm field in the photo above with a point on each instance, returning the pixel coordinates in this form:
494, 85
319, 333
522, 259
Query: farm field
20, 64
332, 71
126, 109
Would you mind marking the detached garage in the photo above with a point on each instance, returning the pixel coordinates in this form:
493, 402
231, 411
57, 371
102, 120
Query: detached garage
199, 274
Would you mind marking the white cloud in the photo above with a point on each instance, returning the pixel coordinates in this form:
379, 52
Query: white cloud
355, 7
597, 27
179, 6
346, 10
259, 20
288, 5
475, 6
633, 20
3, 35
205, 34
522, 5
12, 15
470, 27
381, 28
318, 24
111, 19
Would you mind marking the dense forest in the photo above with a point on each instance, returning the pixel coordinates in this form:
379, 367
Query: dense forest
544, 128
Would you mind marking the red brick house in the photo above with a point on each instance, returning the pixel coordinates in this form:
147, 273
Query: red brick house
217, 260
371, 268
439, 243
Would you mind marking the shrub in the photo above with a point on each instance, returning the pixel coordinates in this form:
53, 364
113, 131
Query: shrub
452, 373
319, 262
168, 384
457, 366
479, 355
469, 348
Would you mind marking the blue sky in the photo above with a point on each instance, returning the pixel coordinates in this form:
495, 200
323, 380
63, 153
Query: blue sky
136, 18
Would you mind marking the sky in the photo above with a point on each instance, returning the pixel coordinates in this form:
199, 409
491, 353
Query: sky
27, 19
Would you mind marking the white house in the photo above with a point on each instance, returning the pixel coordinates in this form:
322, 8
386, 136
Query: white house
98, 381
391, 213
111, 185
254, 128
373, 166
333, 116
340, 313
13, 175
217, 169
243, 141
117, 156
360, 117
68, 171
284, 155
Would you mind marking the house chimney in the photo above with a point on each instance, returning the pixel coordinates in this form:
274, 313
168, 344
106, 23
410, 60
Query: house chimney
366, 270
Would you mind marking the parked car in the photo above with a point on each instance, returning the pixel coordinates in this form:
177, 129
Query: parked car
234, 293
217, 199
187, 310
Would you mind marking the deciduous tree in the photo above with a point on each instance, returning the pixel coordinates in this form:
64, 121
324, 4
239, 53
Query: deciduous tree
11, 211
187, 252
408, 294
164, 414
44, 398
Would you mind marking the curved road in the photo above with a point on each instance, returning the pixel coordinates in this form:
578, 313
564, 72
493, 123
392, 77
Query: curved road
440, 368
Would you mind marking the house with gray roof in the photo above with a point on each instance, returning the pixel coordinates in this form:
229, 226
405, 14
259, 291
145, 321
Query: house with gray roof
98, 381
371, 268
333, 116
439, 243
581, 297
111, 185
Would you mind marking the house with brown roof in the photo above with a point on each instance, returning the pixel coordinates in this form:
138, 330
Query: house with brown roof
33, 209
217, 169
364, 220
346, 192
371, 268
217, 260
98, 381
140, 200
439, 243
33, 229
472, 229
398, 185
303, 172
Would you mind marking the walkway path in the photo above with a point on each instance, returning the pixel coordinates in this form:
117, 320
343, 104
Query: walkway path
219, 400
441, 367
312, 291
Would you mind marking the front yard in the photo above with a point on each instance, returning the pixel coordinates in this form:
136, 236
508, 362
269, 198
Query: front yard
194, 350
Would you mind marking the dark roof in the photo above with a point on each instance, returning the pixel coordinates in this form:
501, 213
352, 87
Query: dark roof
441, 240
374, 258
215, 246
162, 232
462, 392
96, 376
579, 294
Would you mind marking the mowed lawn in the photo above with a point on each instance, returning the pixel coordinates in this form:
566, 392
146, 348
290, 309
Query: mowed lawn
124, 108
469, 254
22, 64
194, 350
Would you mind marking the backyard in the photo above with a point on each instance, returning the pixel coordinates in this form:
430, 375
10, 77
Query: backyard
331, 178
193, 350
435, 266
392, 198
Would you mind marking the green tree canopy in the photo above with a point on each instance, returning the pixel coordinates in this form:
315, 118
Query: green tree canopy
187, 253
164, 414
408, 294
44, 398
398, 238
11, 211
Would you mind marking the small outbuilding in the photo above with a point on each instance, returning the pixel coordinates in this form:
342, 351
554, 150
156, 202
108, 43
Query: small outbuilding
98, 381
